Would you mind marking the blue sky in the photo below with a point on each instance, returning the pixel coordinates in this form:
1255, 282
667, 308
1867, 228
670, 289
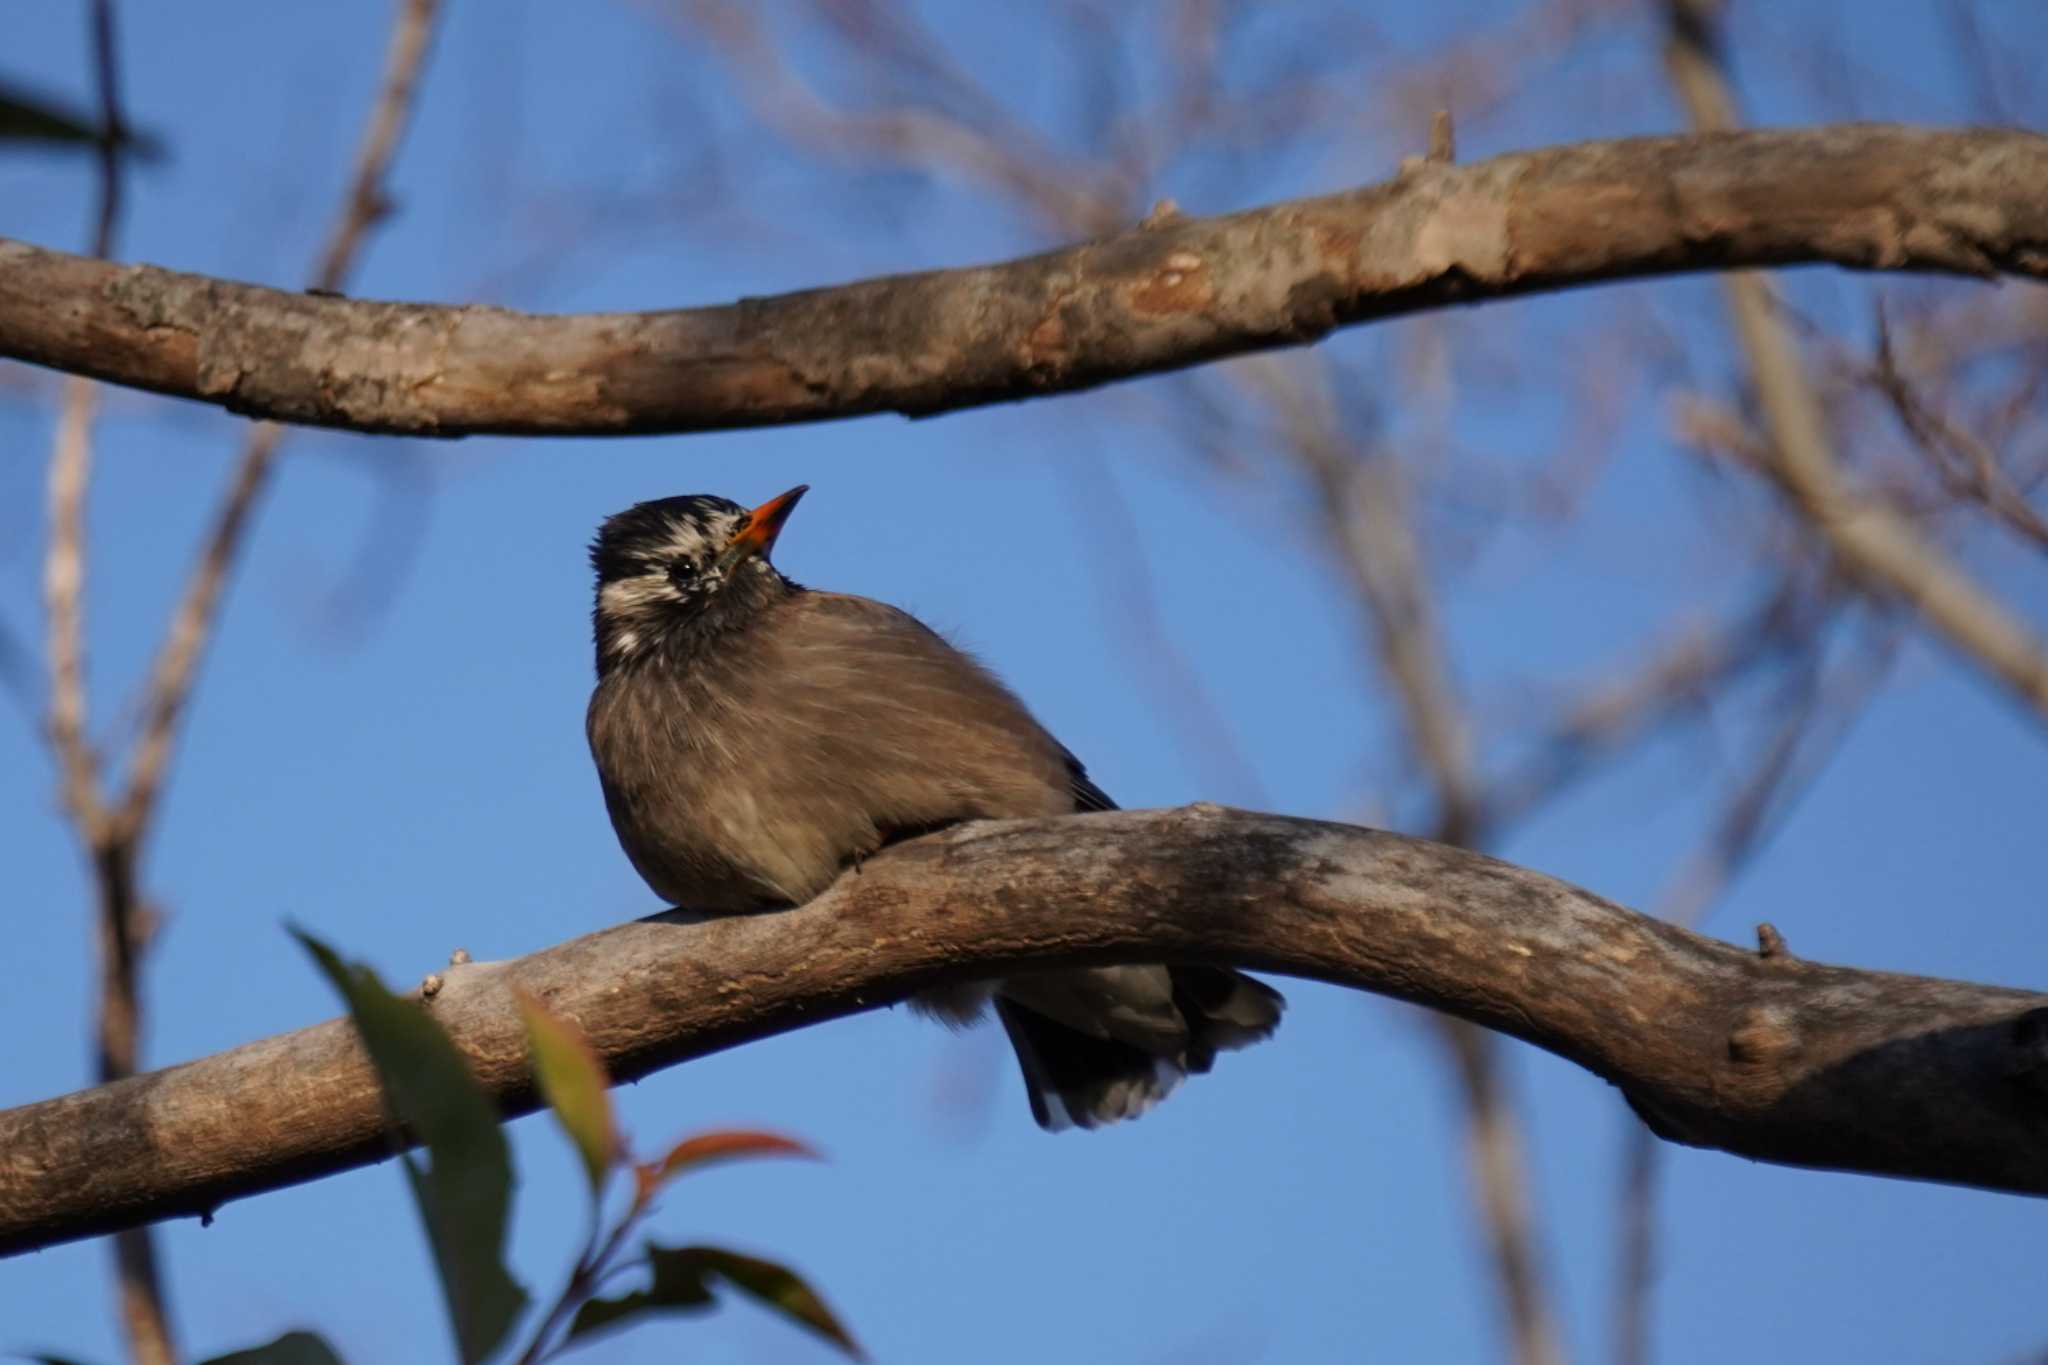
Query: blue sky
387, 743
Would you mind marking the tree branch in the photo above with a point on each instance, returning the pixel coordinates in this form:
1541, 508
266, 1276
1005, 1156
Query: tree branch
1174, 294
1760, 1054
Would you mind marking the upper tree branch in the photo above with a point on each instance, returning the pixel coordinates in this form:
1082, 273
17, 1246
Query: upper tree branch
1156, 298
1759, 1054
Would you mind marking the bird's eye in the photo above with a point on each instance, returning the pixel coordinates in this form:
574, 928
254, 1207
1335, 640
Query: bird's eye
682, 571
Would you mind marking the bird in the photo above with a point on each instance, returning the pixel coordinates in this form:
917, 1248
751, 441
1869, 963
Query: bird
754, 738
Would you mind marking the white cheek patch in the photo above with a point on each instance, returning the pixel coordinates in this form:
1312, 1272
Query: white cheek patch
632, 596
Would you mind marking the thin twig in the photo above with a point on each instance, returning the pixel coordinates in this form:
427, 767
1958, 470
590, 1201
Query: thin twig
1142, 630
1368, 523
113, 140
121, 923
1965, 464
1818, 714
1878, 546
1674, 680
1798, 455
177, 659
64, 605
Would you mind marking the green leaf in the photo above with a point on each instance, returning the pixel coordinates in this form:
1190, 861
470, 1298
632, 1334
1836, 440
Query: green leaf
464, 1196
676, 1285
783, 1290
573, 1082
293, 1348
707, 1148
26, 117
683, 1279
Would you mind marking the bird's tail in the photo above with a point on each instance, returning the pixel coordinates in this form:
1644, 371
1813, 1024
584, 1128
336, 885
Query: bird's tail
1086, 1079
1225, 1010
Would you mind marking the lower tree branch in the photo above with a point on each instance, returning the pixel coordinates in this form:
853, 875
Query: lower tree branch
1757, 1053
1165, 295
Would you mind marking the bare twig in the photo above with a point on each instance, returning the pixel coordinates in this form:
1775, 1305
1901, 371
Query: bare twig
1636, 1267
114, 138
1369, 525
177, 658
982, 144
1674, 680
64, 605
1140, 627
1798, 455
1817, 715
121, 925
1500, 1177
1965, 464
1879, 547
367, 204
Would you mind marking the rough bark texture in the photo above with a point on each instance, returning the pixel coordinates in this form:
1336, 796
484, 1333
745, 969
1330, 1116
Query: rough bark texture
1755, 1052
1170, 294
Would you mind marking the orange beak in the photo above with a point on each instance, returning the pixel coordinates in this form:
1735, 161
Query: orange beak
757, 533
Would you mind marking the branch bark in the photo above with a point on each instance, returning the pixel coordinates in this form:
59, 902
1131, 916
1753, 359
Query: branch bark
1756, 1053
1159, 297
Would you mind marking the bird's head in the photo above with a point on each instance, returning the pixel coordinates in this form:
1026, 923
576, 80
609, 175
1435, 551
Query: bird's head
677, 569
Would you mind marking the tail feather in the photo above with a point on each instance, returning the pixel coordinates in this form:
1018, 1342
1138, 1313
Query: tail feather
1073, 1080
1225, 1010
1087, 1079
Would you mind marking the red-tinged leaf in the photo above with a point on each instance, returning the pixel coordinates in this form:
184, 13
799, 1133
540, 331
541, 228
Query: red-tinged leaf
682, 1280
707, 1148
573, 1082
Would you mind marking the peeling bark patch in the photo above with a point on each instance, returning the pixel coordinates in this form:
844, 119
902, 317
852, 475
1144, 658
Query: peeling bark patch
1047, 346
1181, 285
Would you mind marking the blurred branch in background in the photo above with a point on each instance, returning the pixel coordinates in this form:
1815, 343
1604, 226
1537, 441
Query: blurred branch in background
366, 205
1878, 550
122, 923
1122, 565
1876, 544
1369, 527
1818, 706
1967, 466
113, 828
